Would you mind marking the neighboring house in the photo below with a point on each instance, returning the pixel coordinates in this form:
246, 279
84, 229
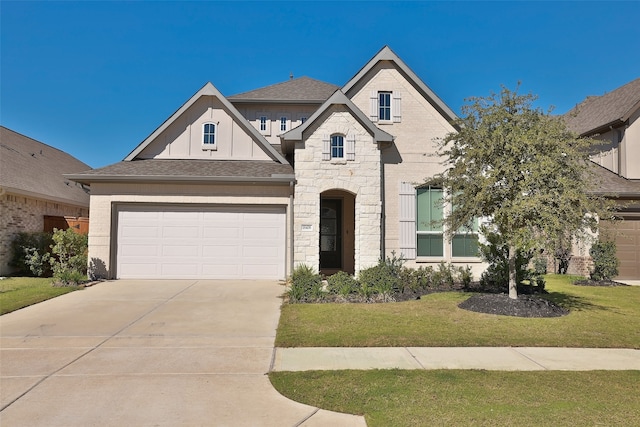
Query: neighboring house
32, 187
614, 119
301, 172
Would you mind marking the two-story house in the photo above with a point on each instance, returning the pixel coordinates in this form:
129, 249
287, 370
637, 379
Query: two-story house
614, 119
300, 172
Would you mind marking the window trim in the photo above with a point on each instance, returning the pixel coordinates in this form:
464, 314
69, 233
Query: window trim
447, 244
209, 145
385, 108
337, 147
263, 123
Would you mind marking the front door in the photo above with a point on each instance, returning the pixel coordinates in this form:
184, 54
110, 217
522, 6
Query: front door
330, 234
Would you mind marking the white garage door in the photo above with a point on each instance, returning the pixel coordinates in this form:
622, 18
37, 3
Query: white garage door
169, 242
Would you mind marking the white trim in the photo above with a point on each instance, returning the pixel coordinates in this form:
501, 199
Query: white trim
210, 146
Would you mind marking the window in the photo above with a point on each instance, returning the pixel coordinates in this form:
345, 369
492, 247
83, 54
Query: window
465, 244
263, 123
303, 119
283, 123
384, 105
209, 135
430, 239
337, 146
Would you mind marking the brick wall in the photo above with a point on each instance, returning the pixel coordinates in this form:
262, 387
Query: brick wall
26, 214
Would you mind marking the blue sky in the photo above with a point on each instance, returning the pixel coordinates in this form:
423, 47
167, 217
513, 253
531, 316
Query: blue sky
96, 78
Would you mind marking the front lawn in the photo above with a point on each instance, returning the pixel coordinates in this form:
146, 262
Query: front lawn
19, 292
599, 317
479, 398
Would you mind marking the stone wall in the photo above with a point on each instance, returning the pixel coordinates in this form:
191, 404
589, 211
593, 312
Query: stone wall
360, 177
25, 214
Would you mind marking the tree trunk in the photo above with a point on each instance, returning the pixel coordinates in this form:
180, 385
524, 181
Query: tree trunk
513, 285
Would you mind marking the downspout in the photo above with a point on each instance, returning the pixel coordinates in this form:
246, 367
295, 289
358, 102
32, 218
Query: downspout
291, 227
383, 219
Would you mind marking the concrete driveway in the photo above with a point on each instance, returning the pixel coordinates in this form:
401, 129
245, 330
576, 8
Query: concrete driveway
149, 353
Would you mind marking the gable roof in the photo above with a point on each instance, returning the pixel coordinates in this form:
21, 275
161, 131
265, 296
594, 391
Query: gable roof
302, 90
189, 170
596, 113
386, 54
613, 185
338, 98
34, 169
210, 90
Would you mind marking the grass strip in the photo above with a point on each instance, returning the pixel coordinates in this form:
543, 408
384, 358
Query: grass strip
599, 317
19, 292
479, 398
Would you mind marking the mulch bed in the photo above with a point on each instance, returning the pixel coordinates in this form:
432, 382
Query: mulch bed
589, 282
523, 306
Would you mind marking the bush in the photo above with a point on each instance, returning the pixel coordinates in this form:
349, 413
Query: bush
305, 285
342, 284
379, 279
69, 259
496, 253
605, 262
30, 253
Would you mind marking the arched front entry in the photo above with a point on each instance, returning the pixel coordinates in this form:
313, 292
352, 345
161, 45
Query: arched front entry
337, 230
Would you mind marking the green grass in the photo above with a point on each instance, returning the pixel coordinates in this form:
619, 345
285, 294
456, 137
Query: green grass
19, 292
478, 398
600, 317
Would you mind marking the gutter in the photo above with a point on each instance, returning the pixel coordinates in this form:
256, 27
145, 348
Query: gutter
273, 179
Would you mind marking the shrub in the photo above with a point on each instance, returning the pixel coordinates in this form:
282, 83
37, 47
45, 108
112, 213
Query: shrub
605, 262
305, 285
29, 253
69, 259
465, 277
378, 279
342, 284
496, 253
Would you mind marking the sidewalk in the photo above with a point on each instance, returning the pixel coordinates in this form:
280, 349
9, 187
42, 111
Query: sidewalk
488, 358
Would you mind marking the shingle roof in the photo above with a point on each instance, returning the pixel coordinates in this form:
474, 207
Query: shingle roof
32, 168
301, 90
189, 171
610, 183
597, 113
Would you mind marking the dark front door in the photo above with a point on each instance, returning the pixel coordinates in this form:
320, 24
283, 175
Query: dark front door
330, 233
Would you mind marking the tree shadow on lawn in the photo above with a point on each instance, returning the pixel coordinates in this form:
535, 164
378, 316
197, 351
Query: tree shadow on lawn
574, 302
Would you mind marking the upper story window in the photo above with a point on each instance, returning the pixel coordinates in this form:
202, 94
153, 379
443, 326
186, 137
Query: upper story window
384, 106
209, 136
337, 147
263, 123
303, 119
283, 123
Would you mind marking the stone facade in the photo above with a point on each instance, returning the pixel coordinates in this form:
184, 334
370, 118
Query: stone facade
360, 177
26, 214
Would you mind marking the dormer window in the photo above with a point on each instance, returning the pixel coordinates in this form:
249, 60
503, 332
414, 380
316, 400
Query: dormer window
209, 136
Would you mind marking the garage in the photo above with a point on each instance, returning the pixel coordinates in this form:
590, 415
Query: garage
200, 242
626, 234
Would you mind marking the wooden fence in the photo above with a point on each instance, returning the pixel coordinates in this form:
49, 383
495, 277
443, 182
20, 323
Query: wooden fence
78, 223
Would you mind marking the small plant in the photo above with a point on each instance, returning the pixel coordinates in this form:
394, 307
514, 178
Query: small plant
342, 284
605, 262
69, 257
305, 285
465, 276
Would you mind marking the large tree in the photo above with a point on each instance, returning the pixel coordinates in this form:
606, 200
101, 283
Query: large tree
523, 170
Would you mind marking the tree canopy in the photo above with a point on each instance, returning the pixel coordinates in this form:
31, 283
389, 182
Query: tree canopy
523, 170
